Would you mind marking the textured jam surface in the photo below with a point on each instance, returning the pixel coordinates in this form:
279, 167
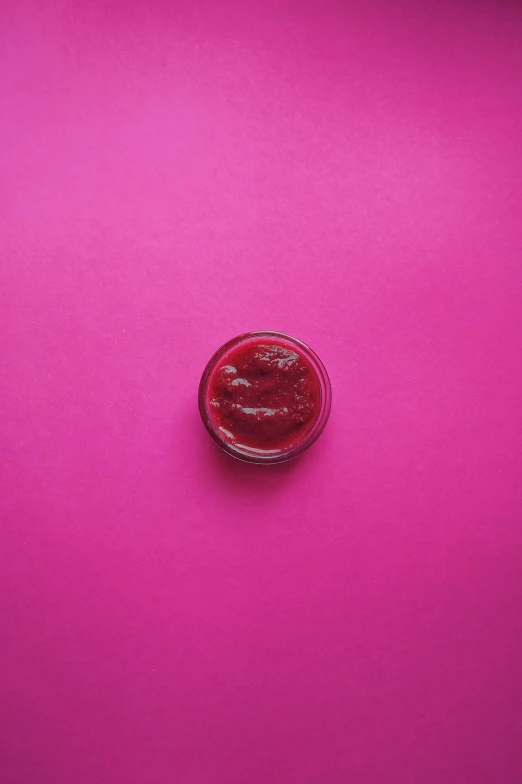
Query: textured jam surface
264, 396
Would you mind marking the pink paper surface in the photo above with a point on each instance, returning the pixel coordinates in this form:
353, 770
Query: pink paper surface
173, 174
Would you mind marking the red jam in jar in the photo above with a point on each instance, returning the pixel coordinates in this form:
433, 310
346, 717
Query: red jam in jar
264, 397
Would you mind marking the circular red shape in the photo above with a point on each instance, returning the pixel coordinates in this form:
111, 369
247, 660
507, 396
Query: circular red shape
264, 397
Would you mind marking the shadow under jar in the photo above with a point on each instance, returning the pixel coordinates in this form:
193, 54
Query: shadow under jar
264, 397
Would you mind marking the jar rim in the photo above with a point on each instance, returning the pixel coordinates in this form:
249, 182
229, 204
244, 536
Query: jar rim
267, 457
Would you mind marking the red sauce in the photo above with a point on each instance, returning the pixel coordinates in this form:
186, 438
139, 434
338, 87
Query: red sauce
264, 395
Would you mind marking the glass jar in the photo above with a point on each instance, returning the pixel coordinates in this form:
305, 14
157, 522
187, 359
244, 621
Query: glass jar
264, 397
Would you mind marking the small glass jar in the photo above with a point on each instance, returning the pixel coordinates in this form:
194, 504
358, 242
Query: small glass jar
264, 397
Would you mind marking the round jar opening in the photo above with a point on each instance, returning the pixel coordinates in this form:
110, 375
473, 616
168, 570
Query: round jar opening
264, 397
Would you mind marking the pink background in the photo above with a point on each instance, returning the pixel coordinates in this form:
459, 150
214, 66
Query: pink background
173, 174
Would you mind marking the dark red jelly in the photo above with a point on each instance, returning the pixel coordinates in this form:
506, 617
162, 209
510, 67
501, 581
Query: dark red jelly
263, 396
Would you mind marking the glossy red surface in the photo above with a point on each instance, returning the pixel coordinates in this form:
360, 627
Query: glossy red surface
264, 394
